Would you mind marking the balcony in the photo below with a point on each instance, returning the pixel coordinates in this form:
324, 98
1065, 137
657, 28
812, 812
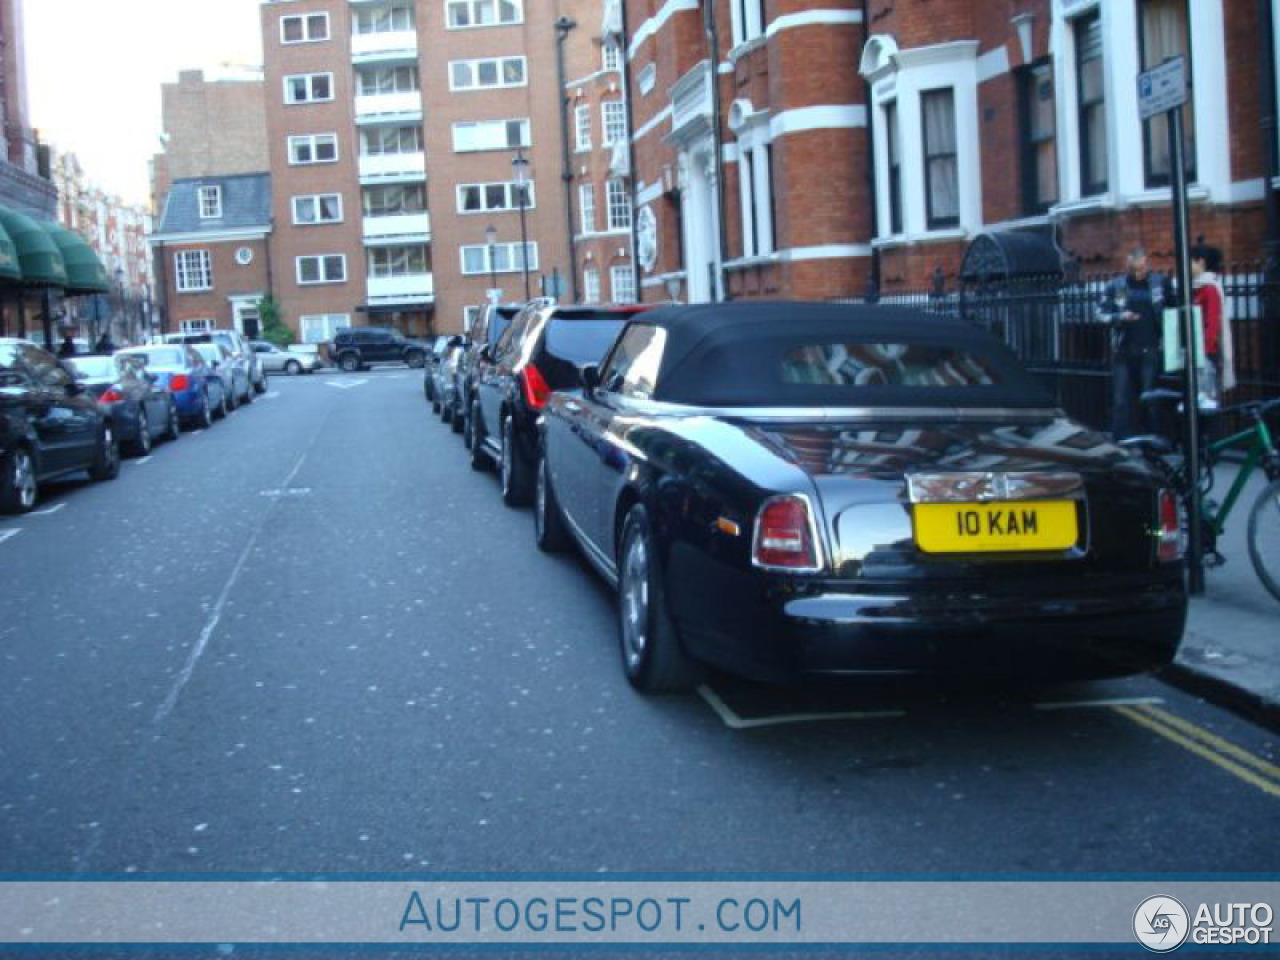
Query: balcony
389, 107
390, 291
399, 45
393, 168
399, 229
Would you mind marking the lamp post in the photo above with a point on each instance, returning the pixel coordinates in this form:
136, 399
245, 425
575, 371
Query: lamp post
120, 309
521, 166
491, 236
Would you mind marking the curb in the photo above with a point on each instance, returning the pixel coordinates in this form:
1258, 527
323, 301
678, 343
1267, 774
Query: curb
1255, 707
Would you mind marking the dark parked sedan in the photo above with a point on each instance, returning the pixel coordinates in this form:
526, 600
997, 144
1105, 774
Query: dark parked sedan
49, 427
541, 352
141, 410
786, 490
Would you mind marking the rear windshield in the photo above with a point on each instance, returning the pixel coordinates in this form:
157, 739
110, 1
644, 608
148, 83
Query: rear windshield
96, 368
208, 351
160, 357
582, 341
886, 365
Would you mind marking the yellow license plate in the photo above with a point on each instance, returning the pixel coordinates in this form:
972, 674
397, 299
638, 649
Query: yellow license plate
996, 527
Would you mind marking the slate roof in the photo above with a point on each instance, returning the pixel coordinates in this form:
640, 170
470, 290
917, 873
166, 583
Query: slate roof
246, 203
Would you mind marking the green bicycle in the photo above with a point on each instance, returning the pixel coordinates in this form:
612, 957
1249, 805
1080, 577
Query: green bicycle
1260, 452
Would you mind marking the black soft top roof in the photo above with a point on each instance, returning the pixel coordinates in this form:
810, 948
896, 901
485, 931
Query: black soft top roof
725, 354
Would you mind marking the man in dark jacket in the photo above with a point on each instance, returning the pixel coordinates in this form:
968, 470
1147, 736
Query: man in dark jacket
105, 345
1133, 305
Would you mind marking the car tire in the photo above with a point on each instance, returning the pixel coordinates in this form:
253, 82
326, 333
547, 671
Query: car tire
141, 447
293, 368
652, 657
19, 486
416, 359
106, 463
223, 408
550, 531
260, 386
479, 459
456, 420
173, 429
512, 468
349, 362
206, 413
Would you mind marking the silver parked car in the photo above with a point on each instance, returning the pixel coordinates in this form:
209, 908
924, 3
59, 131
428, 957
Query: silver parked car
275, 360
234, 341
231, 370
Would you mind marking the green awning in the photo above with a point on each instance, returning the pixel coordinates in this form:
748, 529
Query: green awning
85, 272
41, 260
10, 268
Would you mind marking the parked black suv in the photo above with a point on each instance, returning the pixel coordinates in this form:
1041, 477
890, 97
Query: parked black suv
357, 348
541, 352
49, 426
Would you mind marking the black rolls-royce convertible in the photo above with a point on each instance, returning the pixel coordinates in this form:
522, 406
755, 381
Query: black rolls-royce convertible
786, 490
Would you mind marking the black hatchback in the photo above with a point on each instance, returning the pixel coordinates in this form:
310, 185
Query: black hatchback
543, 351
49, 426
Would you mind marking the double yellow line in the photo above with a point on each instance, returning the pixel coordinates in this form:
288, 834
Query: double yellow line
1236, 760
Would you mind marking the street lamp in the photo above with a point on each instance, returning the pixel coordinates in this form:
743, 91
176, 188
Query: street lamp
120, 307
521, 166
491, 236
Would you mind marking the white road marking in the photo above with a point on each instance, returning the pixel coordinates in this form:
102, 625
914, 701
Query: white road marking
140, 461
735, 722
195, 433
9, 534
1089, 704
287, 492
275, 394
50, 511
347, 385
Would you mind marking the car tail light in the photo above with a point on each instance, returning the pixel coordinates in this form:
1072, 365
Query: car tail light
785, 535
179, 383
1172, 545
536, 391
109, 396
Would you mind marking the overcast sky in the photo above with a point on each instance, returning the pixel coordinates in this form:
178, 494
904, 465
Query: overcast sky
94, 71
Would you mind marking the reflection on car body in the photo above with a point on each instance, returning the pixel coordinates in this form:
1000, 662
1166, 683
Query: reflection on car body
785, 490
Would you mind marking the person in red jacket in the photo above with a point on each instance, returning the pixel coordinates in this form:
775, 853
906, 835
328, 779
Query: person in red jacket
1208, 295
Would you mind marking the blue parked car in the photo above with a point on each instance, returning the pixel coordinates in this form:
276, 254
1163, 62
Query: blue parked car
141, 409
196, 388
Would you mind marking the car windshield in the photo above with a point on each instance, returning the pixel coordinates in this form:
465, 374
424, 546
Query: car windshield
95, 368
8, 355
886, 365
160, 357
582, 341
208, 351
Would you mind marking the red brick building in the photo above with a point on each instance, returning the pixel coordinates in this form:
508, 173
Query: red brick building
824, 148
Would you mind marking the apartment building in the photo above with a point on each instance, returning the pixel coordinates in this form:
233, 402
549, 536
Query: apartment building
415, 154
829, 148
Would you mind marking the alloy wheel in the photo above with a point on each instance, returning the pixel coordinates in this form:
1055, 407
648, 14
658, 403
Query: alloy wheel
144, 433
540, 500
507, 455
635, 601
110, 452
24, 479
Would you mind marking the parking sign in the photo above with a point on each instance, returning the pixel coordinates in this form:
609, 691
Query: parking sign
1162, 88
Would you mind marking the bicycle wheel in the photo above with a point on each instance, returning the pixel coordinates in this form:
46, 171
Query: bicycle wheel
1264, 537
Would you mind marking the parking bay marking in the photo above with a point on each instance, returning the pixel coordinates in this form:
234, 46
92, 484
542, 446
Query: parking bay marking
9, 534
48, 511
1209, 746
141, 461
349, 385
735, 722
1091, 704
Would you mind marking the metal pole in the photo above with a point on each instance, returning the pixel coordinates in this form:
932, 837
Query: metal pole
493, 278
563, 26
1190, 385
524, 240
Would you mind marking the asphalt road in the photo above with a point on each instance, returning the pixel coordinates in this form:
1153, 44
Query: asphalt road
311, 639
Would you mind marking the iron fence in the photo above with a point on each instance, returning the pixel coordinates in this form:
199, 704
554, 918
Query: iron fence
1055, 329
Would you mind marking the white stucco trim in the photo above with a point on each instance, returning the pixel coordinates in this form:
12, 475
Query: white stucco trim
649, 193
828, 251
221, 236
650, 27
1248, 191
994, 63
812, 18
657, 120
827, 117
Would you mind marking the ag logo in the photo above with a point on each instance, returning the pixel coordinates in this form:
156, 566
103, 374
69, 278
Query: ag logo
1161, 924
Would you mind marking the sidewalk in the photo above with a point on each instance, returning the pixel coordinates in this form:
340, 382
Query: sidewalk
1231, 651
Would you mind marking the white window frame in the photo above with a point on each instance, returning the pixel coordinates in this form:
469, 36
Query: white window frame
610, 57
1126, 170
508, 197
511, 249
394, 71
209, 200
472, 6
587, 208
368, 132
330, 324
306, 19
390, 252
902, 76
194, 277
747, 20
474, 67
582, 127
478, 126
311, 97
617, 199
755, 191
470, 316
613, 122
316, 198
312, 139
590, 285
324, 277
198, 325
392, 26
628, 284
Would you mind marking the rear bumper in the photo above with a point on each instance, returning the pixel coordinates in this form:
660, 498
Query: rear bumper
784, 632
190, 403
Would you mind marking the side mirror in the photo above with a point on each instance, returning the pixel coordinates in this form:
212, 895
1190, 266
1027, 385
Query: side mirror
590, 377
